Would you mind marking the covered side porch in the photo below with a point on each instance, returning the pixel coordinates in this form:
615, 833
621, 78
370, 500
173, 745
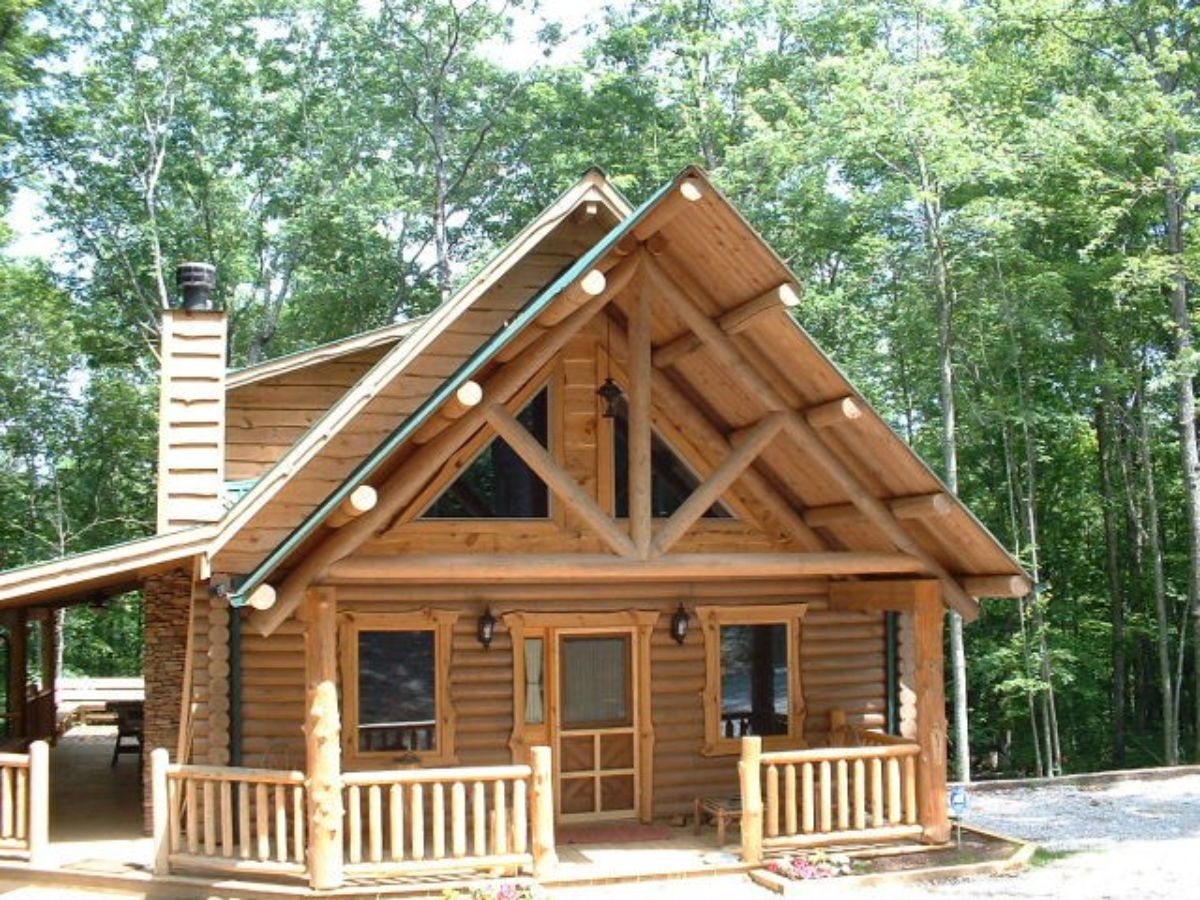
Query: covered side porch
332, 822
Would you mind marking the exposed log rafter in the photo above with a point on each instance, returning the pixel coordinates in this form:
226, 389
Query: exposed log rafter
785, 296
805, 435
496, 568
919, 506
398, 491
558, 479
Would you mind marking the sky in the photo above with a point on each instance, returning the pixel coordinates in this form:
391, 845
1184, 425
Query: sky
33, 238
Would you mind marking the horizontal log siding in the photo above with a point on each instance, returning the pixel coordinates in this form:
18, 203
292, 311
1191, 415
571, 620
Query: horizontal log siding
199, 696
264, 418
842, 665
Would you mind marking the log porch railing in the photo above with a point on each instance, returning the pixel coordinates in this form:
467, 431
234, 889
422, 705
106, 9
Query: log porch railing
404, 822
417, 821
222, 818
806, 798
25, 802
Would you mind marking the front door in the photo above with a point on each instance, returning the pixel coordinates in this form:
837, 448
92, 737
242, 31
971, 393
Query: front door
595, 728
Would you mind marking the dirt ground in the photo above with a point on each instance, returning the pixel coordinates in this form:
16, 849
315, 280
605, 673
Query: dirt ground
1132, 838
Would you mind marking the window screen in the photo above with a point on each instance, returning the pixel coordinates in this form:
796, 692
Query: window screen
595, 681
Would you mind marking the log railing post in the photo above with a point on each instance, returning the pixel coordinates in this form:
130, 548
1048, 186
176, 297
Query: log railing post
39, 801
750, 775
160, 802
323, 734
541, 813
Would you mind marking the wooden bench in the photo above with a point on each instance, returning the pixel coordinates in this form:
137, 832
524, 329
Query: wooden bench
721, 810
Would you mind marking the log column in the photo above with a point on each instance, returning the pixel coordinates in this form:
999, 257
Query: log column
931, 711
640, 440
323, 734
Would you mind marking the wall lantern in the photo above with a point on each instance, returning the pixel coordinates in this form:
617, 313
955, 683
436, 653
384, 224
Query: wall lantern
487, 628
679, 625
610, 393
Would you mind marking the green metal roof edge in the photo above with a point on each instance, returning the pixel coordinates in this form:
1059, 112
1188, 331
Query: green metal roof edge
464, 373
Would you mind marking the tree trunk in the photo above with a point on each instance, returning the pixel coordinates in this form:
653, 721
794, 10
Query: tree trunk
1010, 469
1163, 629
1113, 570
1049, 710
1187, 411
945, 311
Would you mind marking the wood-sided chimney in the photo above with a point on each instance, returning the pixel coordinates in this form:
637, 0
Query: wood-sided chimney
191, 408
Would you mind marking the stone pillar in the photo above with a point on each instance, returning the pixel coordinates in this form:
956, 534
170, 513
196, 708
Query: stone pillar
167, 600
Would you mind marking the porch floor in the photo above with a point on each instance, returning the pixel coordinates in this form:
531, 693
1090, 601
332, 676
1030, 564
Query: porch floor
682, 854
95, 809
96, 826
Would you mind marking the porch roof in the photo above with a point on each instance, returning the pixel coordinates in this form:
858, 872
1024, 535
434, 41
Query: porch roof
109, 570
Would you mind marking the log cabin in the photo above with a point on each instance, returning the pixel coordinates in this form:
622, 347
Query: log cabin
604, 537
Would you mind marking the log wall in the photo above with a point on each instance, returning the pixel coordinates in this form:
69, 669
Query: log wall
842, 667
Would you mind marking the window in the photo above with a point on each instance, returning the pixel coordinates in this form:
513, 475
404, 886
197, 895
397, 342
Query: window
535, 681
671, 481
497, 484
394, 681
754, 680
752, 675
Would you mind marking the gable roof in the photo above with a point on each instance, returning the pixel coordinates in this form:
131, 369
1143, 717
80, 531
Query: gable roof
712, 256
384, 396
718, 261
291, 362
330, 455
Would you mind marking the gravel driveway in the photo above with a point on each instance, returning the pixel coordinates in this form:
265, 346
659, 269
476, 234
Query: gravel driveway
1137, 839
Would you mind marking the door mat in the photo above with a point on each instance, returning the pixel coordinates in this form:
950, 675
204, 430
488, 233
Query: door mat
613, 833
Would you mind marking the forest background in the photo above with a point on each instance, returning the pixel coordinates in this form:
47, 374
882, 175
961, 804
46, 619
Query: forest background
990, 205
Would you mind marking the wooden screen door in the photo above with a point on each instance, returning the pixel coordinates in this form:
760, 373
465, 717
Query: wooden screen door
595, 724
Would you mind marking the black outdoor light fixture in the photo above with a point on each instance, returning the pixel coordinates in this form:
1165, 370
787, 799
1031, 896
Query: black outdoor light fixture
610, 391
679, 625
487, 628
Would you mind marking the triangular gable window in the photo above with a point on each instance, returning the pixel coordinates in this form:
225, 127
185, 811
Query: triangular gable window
498, 484
671, 481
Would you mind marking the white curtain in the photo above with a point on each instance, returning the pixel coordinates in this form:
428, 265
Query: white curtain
535, 709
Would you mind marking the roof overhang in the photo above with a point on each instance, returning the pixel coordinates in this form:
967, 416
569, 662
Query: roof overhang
112, 570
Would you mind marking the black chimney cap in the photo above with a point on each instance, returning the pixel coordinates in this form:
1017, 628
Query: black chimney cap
196, 282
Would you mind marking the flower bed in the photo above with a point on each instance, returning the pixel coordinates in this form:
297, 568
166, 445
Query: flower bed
809, 866
505, 890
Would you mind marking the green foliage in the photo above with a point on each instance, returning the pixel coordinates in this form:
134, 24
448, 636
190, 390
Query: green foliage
347, 163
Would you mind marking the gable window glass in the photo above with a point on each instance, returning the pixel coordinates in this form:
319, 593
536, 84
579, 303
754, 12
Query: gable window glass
671, 481
497, 484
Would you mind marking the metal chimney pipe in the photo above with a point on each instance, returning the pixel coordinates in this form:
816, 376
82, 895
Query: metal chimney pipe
196, 282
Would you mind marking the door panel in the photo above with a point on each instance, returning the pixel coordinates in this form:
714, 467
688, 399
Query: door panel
595, 731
